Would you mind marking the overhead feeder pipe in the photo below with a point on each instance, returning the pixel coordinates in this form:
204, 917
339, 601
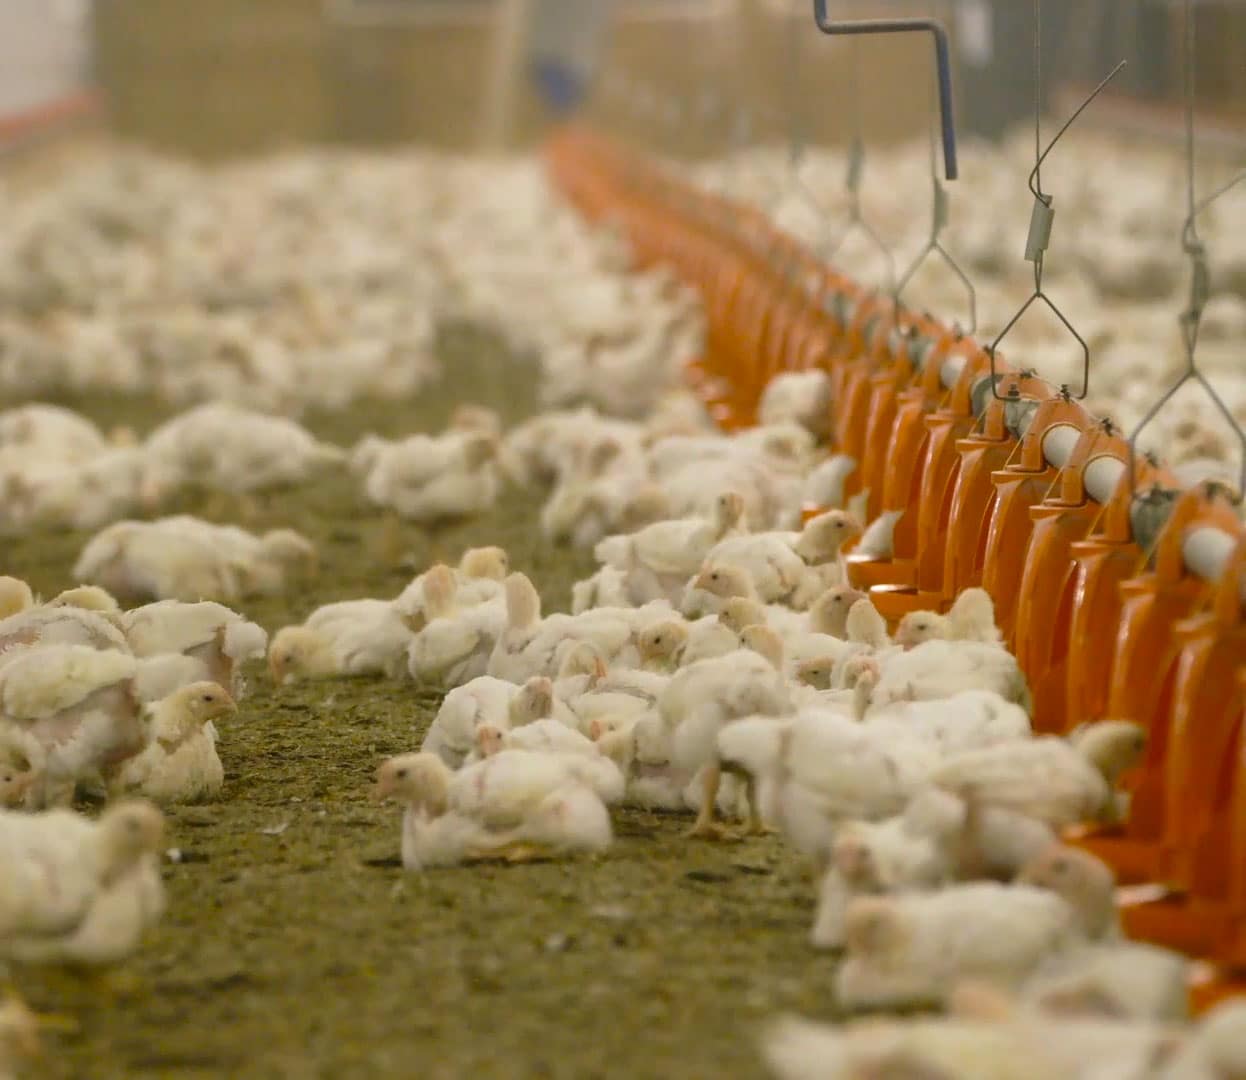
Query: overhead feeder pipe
943, 64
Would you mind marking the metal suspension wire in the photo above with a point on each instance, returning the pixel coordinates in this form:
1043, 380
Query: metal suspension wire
934, 245
1043, 215
1195, 251
854, 172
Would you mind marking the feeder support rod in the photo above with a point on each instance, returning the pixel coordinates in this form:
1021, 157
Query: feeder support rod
943, 64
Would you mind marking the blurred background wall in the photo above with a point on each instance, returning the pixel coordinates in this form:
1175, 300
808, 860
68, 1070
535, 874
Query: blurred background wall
217, 77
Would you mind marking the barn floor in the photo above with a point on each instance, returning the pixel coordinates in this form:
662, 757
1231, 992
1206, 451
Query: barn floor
295, 945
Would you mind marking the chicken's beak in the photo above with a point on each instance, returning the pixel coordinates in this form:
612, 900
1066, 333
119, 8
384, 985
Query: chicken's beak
276, 670
702, 581
229, 707
381, 790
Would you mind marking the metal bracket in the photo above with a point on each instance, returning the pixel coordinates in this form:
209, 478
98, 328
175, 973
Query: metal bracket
943, 64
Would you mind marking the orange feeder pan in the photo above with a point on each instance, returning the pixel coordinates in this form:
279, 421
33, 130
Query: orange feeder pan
1202, 735
1144, 669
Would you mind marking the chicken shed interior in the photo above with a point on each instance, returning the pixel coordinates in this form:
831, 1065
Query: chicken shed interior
568, 538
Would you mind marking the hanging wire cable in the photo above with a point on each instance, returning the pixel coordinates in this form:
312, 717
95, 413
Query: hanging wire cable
854, 172
934, 245
1200, 275
1042, 218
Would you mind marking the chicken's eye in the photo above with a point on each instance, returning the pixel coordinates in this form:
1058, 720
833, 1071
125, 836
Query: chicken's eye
208, 699
401, 774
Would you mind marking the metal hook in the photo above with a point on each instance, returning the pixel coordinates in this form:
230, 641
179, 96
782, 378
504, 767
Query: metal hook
1043, 216
943, 64
1200, 283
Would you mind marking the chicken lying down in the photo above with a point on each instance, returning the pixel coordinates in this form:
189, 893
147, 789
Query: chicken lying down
477, 578
452, 736
545, 736
71, 713
531, 645
139, 561
184, 558
456, 637
912, 948
68, 625
80, 892
59, 430
1123, 980
430, 478
658, 560
215, 636
263, 565
516, 805
778, 562
228, 448
939, 669
1027, 1046
970, 618
351, 637
1059, 781
937, 838
181, 764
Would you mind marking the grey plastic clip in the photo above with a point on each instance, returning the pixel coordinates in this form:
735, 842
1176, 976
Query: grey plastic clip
1042, 218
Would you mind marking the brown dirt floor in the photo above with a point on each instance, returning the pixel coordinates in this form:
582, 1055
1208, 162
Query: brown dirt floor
312, 954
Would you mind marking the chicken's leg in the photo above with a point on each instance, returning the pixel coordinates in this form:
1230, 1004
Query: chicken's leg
514, 852
390, 543
756, 826
705, 826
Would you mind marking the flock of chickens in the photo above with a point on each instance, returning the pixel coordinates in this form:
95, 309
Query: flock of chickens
716, 664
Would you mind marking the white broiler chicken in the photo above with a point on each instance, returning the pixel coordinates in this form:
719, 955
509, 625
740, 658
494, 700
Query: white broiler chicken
261, 565
71, 712
1056, 780
181, 764
913, 948
478, 578
802, 397
545, 736
15, 597
217, 637
142, 561
484, 700
56, 430
939, 669
778, 562
530, 645
80, 892
911, 852
515, 805
232, 449
430, 478
700, 700
457, 640
351, 637
970, 618
811, 772
67, 625
659, 559
672, 643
